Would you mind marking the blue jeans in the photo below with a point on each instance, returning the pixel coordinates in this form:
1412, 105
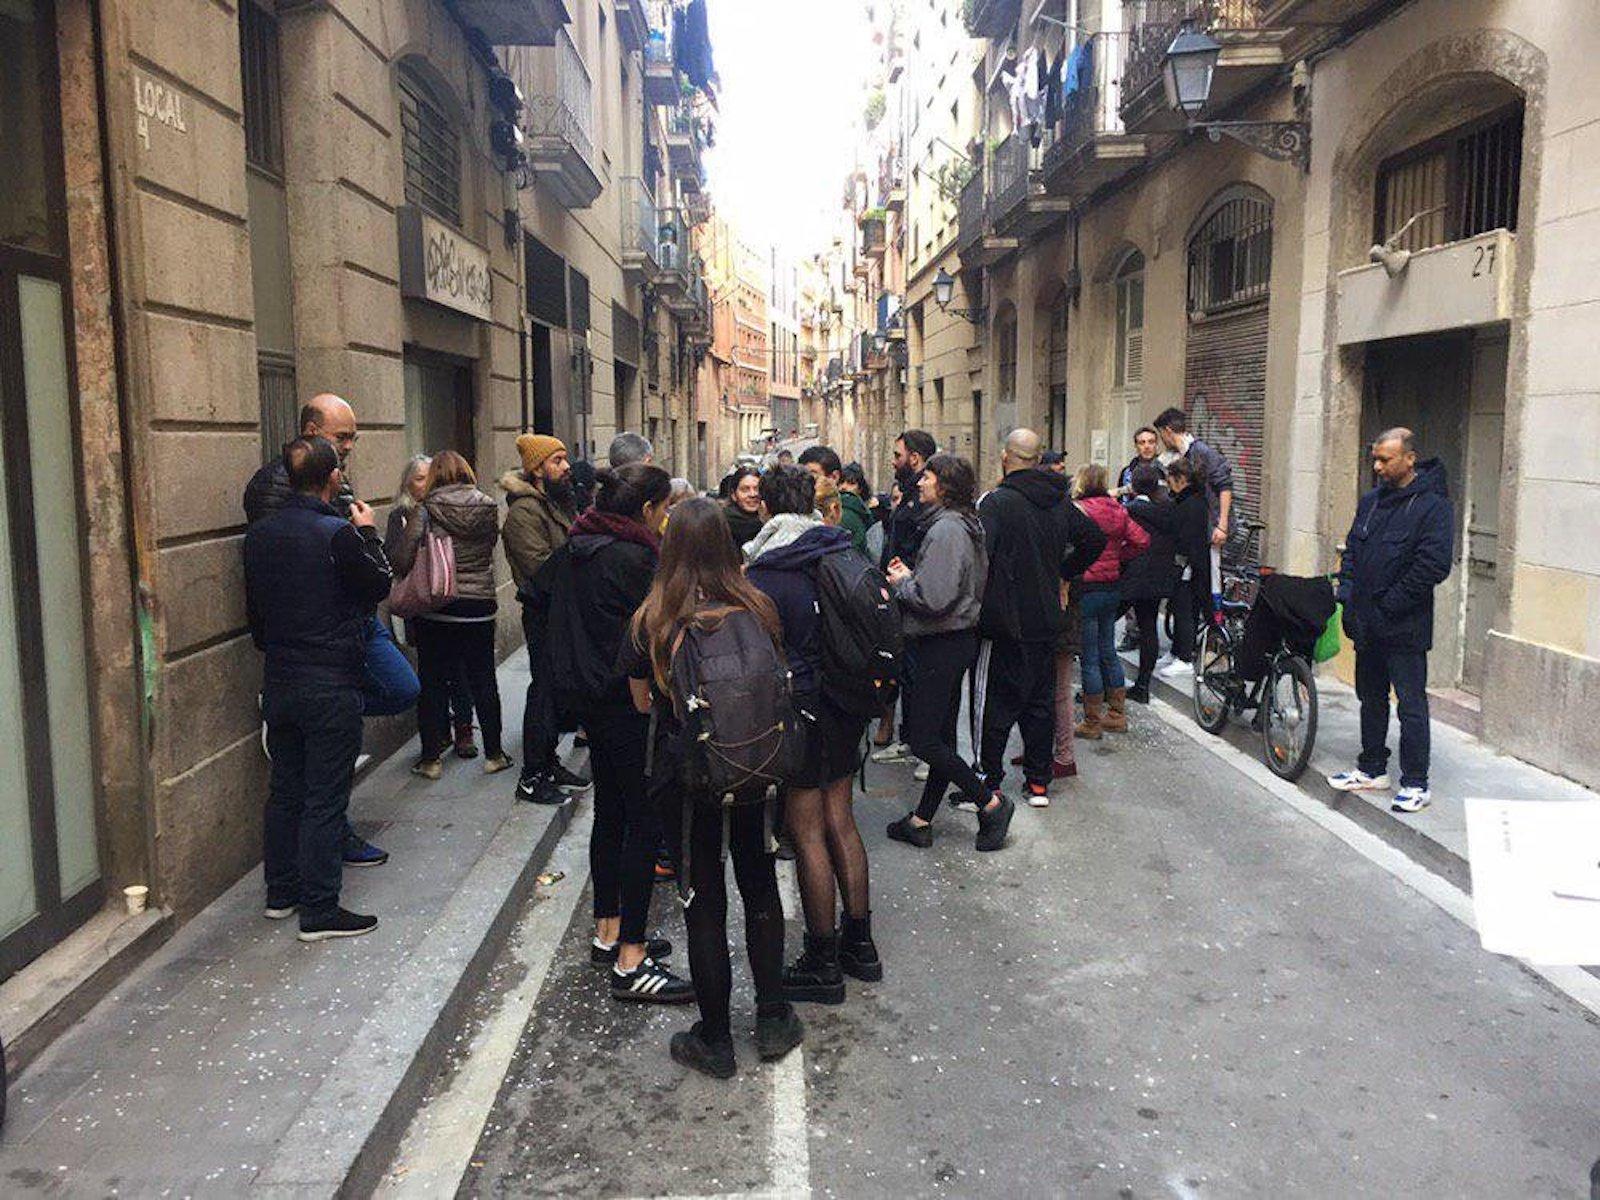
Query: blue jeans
1377, 670
392, 686
1102, 668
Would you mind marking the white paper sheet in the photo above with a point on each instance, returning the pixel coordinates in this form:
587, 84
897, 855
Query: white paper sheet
1536, 878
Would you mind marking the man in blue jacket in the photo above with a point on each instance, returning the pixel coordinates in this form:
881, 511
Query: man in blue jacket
1398, 550
311, 579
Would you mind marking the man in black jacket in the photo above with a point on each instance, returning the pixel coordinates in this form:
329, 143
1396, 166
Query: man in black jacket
1036, 537
903, 531
1398, 550
311, 579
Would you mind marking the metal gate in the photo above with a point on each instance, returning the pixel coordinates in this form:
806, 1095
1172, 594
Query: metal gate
1225, 395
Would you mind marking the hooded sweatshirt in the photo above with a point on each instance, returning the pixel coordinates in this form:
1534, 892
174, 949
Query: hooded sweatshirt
1398, 550
785, 569
1035, 538
945, 594
855, 519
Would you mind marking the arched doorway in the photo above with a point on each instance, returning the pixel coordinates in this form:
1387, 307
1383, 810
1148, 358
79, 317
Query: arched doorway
1225, 362
1127, 372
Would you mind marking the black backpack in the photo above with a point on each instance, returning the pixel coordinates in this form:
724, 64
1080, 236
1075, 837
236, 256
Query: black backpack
861, 636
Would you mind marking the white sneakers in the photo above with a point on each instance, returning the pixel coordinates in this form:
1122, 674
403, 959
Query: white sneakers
921, 773
1406, 800
892, 753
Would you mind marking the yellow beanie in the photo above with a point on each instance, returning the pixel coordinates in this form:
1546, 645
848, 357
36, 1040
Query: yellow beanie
536, 447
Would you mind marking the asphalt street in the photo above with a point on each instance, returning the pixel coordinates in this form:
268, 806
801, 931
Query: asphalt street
1170, 983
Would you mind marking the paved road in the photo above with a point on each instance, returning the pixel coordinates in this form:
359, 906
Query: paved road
1169, 984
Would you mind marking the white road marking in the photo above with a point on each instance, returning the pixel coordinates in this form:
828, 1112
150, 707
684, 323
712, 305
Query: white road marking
438, 1146
1574, 982
790, 1152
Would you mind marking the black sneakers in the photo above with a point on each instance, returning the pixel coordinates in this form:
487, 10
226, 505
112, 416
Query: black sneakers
778, 1031
341, 923
650, 983
569, 782
540, 789
606, 956
815, 976
993, 823
903, 830
691, 1049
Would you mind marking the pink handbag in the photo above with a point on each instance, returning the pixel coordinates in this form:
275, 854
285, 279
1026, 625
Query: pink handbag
431, 582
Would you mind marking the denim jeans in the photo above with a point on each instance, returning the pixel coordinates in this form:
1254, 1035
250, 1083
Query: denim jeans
313, 735
392, 686
1377, 670
1102, 667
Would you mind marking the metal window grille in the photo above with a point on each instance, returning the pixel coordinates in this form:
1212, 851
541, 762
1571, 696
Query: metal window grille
263, 102
280, 412
1456, 186
430, 151
1230, 258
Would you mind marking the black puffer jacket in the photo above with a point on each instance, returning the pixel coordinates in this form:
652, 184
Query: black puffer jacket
1153, 574
269, 490
1035, 538
1398, 550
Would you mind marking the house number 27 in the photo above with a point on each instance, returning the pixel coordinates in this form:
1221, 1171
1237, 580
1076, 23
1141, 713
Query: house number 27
1483, 260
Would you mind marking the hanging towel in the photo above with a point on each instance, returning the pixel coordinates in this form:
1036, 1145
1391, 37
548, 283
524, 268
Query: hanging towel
1052, 92
1033, 78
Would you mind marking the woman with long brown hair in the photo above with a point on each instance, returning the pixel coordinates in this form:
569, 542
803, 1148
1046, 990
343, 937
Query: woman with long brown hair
698, 583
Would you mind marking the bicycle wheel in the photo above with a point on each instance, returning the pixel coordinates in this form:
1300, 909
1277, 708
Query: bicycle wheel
1289, 717
1213, 678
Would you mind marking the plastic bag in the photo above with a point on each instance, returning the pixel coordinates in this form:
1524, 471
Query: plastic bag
1328, 644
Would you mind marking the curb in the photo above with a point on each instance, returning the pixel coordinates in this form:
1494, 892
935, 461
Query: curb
344, 1138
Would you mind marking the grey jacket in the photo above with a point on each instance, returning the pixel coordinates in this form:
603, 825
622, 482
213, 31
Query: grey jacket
945, 595
1212, 471
473, 522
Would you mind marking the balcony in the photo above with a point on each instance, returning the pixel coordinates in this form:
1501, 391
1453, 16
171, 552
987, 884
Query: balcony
660, 68
641, 232
560, 126
1018, 202
696, 208
515, 22
991, 18
1251, 54
633, 25
976, 242
1092, 148
872, 234
684, 140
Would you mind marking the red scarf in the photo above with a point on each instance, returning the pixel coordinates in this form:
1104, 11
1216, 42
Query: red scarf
624, 529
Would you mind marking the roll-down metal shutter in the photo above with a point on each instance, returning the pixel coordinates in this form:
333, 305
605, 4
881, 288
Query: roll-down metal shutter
1225, 395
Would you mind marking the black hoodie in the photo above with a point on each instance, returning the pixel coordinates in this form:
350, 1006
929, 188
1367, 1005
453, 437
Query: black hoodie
1036, 538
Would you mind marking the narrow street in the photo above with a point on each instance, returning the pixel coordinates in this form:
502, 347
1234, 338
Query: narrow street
1170, 983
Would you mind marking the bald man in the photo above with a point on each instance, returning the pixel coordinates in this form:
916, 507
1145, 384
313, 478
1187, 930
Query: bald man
391, 683
1399, 548
1036, 538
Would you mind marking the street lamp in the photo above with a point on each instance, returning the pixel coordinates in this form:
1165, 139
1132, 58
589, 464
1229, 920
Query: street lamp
944, 286
1187, 72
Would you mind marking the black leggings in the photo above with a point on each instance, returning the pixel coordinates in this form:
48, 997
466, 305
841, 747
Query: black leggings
622, 846
540, 730
446, 650
932, 705
1146, 611
706, 918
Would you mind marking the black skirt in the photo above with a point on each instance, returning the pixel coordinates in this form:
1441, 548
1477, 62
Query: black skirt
832, 742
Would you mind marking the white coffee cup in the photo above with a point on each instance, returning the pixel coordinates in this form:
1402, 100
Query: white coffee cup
136, 897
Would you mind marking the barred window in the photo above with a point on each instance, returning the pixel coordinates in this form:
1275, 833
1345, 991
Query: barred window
1230, 257
1452, 187
1129, 366
263, 103
430, 150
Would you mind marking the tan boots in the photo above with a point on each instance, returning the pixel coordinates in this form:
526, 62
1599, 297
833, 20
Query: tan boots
1093, 711
1116, 718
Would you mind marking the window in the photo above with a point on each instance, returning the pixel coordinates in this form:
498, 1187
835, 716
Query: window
430, 151
580, 301
263, 103
1129, 371
1453, 187
1230, 257
1006, 334
546, 272
280, 411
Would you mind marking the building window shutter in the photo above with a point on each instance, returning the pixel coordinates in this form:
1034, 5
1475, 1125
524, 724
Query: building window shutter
430, 150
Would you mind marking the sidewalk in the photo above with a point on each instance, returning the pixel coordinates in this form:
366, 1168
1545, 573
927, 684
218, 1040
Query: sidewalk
238, 1059
1461, 766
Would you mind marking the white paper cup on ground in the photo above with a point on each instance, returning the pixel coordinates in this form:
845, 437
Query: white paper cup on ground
136, 897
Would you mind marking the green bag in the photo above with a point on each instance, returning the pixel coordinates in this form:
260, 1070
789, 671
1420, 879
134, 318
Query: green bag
1328, 644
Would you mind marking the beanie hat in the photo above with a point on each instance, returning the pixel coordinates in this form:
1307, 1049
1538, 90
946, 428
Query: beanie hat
535, 448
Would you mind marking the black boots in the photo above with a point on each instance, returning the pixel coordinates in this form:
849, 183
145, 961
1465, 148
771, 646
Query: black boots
815, 976
858, 957
778, 1030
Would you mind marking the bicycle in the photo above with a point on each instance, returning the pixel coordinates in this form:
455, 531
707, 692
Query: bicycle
1283, 700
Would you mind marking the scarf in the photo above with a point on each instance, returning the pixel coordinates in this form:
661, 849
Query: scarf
782, 530
615, 525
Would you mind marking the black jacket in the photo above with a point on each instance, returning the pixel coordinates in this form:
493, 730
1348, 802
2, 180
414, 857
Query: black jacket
311, 578
742, 525
788, 575
1153, 574
1191, 532
1398, 550
1036, 537
269, 490
587, 593
905, 526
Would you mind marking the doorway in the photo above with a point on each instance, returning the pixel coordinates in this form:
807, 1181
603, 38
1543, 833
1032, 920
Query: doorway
439, 405
1450, 390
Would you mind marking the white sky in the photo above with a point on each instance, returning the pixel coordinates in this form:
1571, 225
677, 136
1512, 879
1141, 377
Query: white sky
792, 76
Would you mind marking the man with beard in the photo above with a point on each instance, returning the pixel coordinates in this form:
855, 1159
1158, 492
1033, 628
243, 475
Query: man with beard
903, 531
540, 508
390, 685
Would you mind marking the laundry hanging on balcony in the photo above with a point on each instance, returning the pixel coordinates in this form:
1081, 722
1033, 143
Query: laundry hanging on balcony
1052, 91
1024, 91
691, 37
1079, 71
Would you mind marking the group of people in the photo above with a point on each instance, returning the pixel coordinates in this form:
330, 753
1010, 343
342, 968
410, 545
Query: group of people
996, 595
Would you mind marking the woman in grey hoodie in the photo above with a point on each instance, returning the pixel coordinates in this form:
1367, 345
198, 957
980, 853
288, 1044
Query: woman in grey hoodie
940, 601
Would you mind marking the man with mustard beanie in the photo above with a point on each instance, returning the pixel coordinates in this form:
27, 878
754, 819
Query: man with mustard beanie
539, 513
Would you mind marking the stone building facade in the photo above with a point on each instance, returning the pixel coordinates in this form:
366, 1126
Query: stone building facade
456, 215
1107, 262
